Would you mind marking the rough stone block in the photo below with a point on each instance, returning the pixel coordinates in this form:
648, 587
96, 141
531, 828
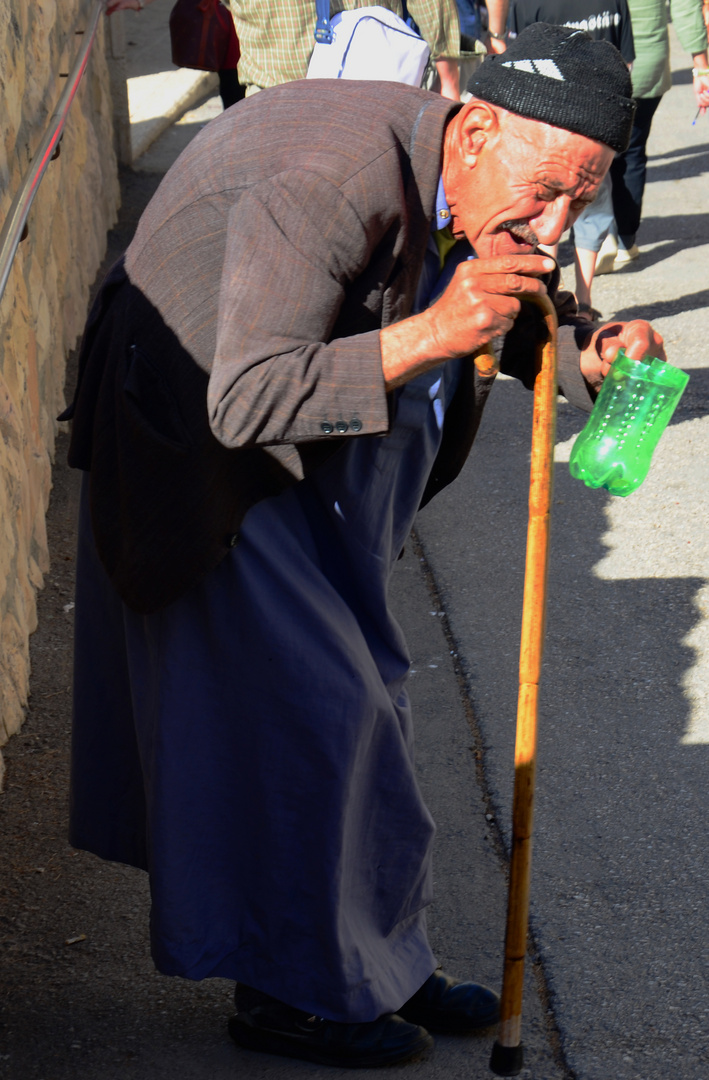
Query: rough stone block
44, 306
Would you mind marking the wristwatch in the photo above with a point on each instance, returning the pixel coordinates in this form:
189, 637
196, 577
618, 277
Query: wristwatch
696, 72
498, 37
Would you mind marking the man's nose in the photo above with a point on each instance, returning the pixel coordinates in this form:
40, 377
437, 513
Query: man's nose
553, 220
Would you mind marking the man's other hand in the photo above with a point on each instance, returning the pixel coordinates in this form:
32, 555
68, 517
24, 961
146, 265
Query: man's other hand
637, 338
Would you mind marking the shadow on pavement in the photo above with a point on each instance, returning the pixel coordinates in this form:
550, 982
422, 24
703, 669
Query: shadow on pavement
682, 152
674, 234
613, 714
660, 309
692, 162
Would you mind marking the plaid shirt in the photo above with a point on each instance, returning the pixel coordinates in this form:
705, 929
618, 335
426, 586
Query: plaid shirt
276, 38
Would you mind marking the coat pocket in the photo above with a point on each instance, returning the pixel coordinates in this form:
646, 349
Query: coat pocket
152, 401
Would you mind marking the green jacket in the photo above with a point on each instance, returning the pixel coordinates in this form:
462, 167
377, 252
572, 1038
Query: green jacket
651, 70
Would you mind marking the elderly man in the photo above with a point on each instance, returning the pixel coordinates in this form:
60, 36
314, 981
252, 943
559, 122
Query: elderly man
272, 381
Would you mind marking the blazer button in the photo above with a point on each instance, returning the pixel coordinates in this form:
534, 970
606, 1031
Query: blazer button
342, 426
232, 540
327, 427
356, 423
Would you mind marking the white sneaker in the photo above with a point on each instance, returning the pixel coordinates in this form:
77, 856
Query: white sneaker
606, 256
625, 256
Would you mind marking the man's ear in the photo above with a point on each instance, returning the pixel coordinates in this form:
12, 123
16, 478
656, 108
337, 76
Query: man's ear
478, 122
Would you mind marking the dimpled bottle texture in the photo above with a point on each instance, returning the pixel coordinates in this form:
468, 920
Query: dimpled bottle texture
632, 410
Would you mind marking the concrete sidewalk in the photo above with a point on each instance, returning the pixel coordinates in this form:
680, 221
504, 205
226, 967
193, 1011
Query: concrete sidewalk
159, 93
620, 880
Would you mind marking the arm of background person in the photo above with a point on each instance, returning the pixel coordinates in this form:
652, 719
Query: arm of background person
440, 28
497, 13
700, 81
692, 33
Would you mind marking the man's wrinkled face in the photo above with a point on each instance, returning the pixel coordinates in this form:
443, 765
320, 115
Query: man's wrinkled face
522, 183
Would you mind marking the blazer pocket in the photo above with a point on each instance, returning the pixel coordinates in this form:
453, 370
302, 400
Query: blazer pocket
152, 401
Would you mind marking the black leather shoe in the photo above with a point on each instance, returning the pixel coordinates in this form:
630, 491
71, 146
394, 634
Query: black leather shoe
265, 1024
448, 1007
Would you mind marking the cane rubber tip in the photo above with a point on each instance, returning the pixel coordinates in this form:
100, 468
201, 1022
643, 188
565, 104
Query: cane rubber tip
507, 1060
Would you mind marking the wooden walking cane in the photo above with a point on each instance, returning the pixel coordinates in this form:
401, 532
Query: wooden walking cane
507, 1054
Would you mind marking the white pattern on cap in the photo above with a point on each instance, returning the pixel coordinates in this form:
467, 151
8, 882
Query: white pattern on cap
564, 78
536, 67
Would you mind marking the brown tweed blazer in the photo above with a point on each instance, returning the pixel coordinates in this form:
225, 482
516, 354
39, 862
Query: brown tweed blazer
237, 345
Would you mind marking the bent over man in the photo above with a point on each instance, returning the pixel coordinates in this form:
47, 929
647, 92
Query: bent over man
272, 381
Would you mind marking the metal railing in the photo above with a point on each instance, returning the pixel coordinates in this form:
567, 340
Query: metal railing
12, 231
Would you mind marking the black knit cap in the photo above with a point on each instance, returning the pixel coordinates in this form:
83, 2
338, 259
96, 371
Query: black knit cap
564, 78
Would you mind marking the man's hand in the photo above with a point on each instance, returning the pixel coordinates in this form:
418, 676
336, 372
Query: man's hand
479, 304
497, 11
481, 301
637, 338
495, 46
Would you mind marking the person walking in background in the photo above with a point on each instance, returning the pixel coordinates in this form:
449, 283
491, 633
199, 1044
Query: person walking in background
481, 34
494, 34
604, 20
651, 79
186, 53
277, 40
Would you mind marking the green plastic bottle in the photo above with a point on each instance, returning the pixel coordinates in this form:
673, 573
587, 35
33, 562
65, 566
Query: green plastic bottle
632, 410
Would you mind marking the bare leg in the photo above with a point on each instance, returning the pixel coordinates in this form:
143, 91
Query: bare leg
585, 263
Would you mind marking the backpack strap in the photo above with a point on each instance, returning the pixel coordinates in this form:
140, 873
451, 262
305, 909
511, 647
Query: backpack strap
323, 30
410, 21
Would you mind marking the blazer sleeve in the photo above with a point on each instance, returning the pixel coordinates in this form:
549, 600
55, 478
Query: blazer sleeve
293, 246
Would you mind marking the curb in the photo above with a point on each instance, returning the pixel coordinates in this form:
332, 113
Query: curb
157, 101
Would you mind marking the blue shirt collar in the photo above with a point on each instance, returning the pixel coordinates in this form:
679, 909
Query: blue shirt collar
442, 216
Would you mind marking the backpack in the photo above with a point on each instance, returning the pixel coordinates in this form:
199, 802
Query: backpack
367, 43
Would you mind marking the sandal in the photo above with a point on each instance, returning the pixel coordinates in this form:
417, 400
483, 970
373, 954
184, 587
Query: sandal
588, 313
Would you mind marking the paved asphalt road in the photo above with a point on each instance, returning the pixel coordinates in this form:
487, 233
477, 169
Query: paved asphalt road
620, 891
621, 876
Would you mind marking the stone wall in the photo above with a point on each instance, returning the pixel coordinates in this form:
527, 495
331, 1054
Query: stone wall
44, 307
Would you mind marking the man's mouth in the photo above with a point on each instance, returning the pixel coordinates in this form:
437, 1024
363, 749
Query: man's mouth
520, 231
